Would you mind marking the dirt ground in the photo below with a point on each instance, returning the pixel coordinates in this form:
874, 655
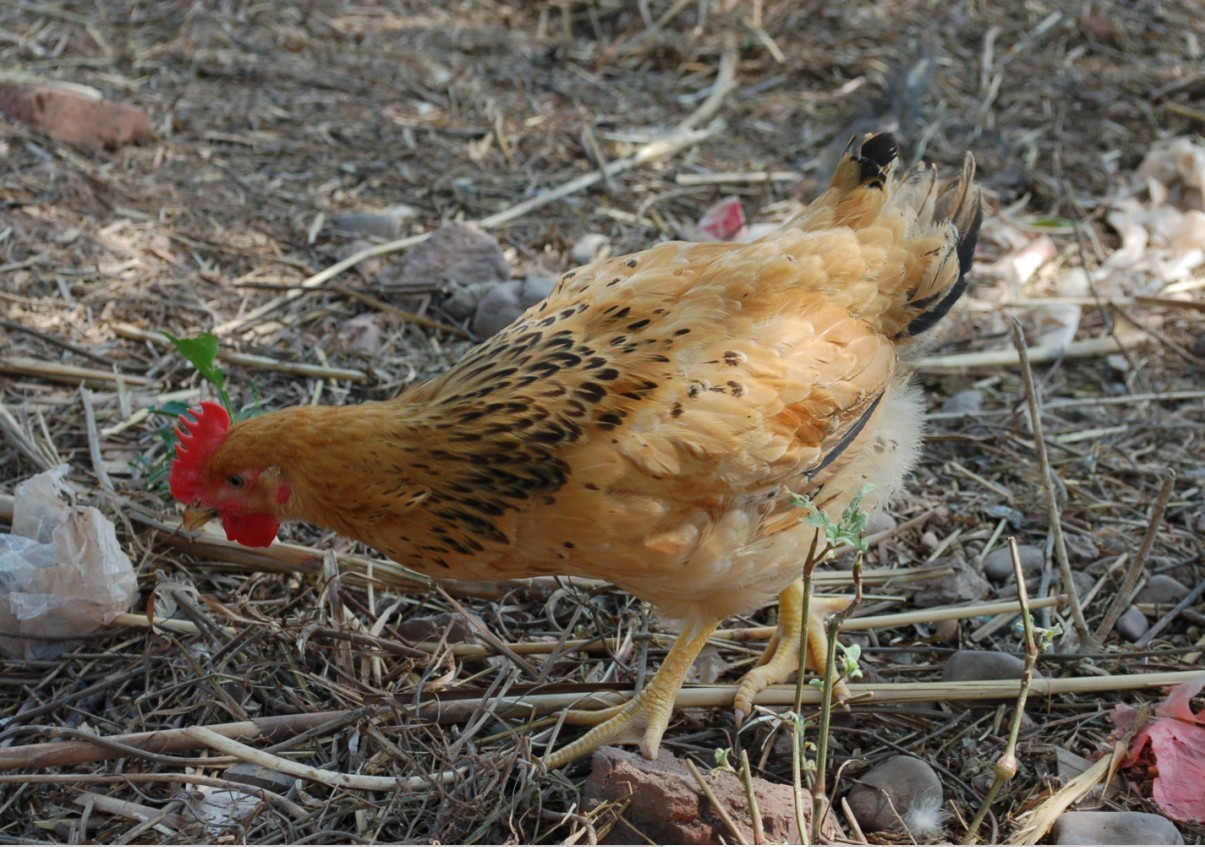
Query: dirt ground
271, 120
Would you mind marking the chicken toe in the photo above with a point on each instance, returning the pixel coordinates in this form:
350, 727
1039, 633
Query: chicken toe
781, 657
647, 714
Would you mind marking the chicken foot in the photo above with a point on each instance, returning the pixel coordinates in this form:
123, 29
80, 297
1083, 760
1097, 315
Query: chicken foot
648, 711
781, 656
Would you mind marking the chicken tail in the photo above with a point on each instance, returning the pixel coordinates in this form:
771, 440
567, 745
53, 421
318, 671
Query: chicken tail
959, 208
934, 233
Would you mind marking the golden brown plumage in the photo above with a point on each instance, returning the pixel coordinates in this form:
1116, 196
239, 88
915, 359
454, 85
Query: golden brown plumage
643, 423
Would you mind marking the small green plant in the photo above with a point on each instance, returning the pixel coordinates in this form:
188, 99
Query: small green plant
848, 531
202, 352
721, 760
845, 667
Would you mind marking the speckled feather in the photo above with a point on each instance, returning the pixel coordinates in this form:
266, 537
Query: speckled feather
642, 424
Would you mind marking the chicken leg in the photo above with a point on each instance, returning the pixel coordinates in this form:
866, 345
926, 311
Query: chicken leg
781, 657
648, 711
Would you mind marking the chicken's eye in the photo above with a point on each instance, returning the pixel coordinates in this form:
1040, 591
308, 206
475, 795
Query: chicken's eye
236, 481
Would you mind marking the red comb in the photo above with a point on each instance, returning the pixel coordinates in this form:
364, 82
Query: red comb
199, 439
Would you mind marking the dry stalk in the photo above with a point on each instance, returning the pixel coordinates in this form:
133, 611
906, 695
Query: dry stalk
759, 833
831, 677
1122, 598
797, 776
281, 804
1052, 503
733, 829
58, 372
1006, 765
1085, 349
229, 746
246, 360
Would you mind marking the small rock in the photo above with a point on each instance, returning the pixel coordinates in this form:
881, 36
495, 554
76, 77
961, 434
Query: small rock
74, 118
1081, 547
361, 335
880, 522
506, 301
968, 402
1070, 765
661, 802
975, 665
456, 257
1015, 517
902, 794
998, 564
591, 246
947, 632
434, 627
1164, 589
963, 586
1132, 624
1114, 828
463, 301
929, 540
1083, 582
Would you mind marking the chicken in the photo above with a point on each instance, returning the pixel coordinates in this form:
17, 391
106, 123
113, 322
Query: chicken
644, 425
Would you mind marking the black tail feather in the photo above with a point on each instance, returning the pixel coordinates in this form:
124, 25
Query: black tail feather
962, 205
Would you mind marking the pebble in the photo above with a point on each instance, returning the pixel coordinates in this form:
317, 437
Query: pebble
361, 335
973, 665
998, 564
456, 256
1132, 624
968, 402
1069, 765
1081, 548
880, 522
1162, 588
591, 246
963, 586
435, 627
506, 301
1114, 828
902, 794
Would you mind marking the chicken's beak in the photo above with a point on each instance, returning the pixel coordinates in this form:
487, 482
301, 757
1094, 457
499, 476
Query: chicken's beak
196, 517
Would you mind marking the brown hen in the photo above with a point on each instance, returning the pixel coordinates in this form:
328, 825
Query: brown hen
643, 425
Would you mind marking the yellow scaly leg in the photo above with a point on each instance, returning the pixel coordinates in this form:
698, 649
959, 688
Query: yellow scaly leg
781, 658
649, 710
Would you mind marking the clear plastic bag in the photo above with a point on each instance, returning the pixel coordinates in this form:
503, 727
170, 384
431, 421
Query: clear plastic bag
63, 574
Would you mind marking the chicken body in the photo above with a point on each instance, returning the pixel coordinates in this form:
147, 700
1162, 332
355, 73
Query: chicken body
644, 424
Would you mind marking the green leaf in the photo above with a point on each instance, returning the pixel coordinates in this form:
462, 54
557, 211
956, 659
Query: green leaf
202, 352
850, 530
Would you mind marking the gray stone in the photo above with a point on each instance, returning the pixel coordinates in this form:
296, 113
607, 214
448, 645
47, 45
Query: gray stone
974, 665
902, 794
998, 564
506, 301
1114, 828
962, 586
1163, 589
1132, 624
